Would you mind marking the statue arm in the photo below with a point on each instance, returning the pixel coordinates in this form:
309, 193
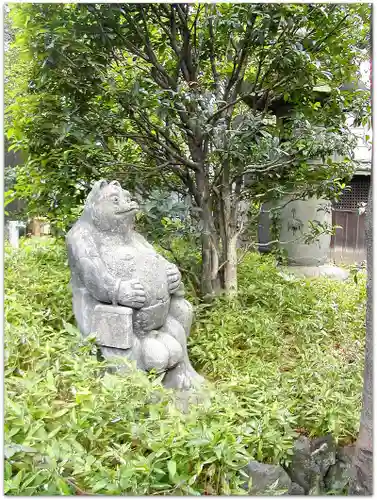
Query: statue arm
90, 267
99, 282
108, 289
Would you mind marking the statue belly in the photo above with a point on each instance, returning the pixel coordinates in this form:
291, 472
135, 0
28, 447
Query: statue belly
130, 263
151, 273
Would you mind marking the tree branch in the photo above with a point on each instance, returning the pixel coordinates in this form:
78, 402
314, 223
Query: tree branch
234, 78
150, 56
224, 108
212, 53
321, 42
249, 169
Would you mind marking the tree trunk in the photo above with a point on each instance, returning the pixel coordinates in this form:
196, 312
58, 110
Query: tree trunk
219, 262
209, 238
229, 208
362, 473
230, 266
207, 265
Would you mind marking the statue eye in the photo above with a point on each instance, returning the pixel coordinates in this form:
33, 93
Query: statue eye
115, 199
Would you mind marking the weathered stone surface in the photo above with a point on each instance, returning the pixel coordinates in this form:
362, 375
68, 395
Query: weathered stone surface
295, 217
346, 453
113, 326
296, 489
311, 461
318, 466
125, 292
339, 474
267, 479
301, 468
338, 477
323, 452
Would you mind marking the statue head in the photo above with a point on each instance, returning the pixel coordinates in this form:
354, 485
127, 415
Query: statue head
110, 207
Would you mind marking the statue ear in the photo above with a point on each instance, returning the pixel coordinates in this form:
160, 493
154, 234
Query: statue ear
94, 193
115, 183
101, 184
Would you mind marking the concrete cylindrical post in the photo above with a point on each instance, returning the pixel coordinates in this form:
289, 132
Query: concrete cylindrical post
14, 227
295, 219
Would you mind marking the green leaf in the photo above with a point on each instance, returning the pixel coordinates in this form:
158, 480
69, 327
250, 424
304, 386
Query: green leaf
72, 330
172, 468
12, 449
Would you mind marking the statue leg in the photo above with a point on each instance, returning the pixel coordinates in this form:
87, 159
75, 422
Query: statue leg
160, 351
178, 325
155, 351
182, 311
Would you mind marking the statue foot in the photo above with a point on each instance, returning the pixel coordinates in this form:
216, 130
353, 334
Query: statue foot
193, 374
182, 377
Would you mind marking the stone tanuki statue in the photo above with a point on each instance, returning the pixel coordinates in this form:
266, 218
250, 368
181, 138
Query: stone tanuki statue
125, 292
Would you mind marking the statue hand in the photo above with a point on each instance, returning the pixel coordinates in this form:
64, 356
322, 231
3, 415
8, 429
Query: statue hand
131, 294
174, 278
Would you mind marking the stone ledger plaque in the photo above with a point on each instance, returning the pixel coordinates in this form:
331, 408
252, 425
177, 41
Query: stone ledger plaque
113, 326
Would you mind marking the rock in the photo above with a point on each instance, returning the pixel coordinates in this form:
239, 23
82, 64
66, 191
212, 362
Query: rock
323, 451
311, 461
296, 489
346, 453
303, 467
267, 479
338, 475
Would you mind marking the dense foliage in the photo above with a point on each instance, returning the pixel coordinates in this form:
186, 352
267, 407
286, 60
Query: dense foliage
189, 97
286, 357
289, 344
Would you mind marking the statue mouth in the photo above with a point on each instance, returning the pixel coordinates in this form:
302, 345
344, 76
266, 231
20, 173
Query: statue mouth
128, 210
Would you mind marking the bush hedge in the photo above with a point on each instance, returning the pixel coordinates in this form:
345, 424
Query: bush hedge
289, 345
286, 357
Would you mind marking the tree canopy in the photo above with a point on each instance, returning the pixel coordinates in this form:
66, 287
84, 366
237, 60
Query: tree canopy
230, 105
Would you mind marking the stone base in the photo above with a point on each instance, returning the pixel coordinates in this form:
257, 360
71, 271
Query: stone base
325, 271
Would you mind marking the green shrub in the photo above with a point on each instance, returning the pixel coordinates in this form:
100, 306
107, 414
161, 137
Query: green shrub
73, 428
290, 346
69, 427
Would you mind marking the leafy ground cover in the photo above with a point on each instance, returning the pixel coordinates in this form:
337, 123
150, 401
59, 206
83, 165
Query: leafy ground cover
286, 357
289, 344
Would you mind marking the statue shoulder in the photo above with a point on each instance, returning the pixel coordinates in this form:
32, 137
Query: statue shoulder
80, 229
80, 239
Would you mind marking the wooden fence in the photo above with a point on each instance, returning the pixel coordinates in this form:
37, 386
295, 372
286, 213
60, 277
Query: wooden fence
348, 243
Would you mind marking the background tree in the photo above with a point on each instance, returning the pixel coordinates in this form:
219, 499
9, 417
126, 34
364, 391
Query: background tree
187, 96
